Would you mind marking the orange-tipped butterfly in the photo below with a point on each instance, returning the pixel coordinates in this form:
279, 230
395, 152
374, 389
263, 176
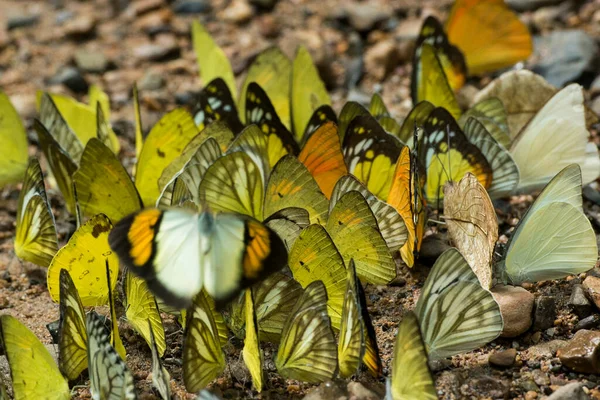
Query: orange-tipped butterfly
179, 252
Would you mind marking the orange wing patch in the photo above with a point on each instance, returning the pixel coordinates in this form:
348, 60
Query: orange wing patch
322, 156
141, 236
258, 247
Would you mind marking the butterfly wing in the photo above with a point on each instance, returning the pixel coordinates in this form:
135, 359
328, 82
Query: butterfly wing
491, 113
13, 153
455, 313
354, 230
109, 376
351, 341
307, 93
490, 35
161, 380
33, 370
411, 378
307, 351
288, 223
322, 156
251, 352
35, 238
314, 257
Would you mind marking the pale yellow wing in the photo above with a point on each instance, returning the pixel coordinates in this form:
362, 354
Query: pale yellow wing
13, 152
251, 351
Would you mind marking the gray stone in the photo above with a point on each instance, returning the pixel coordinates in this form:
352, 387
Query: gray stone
151, 81
22, 21
327, 390
529, 385
592, 321
191, 6
579, 302
363, 17
564, 56
516, 305
545, 313
357, 390
591, 285
164, 46
503, 359
70, 77
525, 5
571, 391
545, 350
581, 353
540, 377
487, 386
91, 61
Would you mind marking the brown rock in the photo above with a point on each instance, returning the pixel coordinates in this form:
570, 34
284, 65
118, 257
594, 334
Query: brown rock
545, 350
327, 390
516, 305
591, 285
238, 11
382, 58
503, 359
163, 46
83, 25
154, 20
581, 353
357, 390
143, 6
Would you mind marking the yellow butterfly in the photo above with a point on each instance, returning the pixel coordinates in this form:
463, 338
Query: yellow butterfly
357, 340
450, 57
274, 299
489, 34
314, 257
85, 257
212, 61
491, 113
271, 70
370, 154
178, 252
251, 352
13, 152
307, 351
109, 376
203, 358
354, 230
320, 116
72, 344
429, 81
411, 378
35, 239
33, 370
307, 92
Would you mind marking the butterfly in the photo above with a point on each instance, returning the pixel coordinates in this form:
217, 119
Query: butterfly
554, 238
251, 352
370, 154
274, 299
109, 376
179, 252
216, 103
307, 351
271, 70
446, 154
33, 370
35, 239
320, 116
314, 257
390, 223
411, 378
429, 81
354, 230
161, 380
357, 342
260, 111
450, 57
85, 257
13, 154
212, 61
203, 358
489, 34
307, 91
141, 310
472, 224
491, 113
455, 313
533, 148
72, 343
406, 197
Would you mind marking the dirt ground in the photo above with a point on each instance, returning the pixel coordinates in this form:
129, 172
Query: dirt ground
148, 42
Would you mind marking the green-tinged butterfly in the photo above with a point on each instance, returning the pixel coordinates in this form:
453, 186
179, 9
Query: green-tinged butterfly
307, 351
35, 239
554, 238
455, 313
411, 378
251, 352
110, 379
33, 370
13, 152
